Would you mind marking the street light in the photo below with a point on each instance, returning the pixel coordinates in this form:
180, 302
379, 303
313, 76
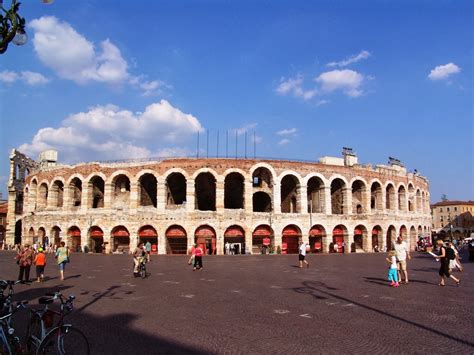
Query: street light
12, 25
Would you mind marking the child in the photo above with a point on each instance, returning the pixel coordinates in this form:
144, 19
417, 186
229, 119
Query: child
40, 262
392, 270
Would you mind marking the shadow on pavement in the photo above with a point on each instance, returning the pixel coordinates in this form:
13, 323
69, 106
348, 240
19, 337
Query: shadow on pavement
384, 282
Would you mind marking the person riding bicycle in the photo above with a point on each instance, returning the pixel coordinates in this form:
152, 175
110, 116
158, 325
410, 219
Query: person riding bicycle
139, 256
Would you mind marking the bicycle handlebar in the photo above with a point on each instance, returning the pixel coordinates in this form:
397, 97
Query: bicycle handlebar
21, 304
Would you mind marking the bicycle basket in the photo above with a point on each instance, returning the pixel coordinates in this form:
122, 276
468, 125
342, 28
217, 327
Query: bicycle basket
48, 318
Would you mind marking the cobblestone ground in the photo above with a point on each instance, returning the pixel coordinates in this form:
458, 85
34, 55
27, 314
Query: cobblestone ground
261, 304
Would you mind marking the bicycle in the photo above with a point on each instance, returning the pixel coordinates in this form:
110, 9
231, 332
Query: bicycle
46, 338
9, 343
141, 268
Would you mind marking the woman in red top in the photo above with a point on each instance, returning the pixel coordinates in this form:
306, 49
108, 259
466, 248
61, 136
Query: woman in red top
40, 262
197, 257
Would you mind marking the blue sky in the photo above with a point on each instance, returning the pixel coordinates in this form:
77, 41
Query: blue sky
104, 80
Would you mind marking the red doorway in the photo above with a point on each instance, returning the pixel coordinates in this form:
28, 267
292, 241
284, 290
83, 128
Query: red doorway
290, 238
206, 238
177, 240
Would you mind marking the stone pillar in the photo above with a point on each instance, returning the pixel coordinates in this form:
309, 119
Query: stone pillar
348, 241
327, 202
190, 198
327, 240
10, 232
366, 201
367, 242
248, 203
219, 242
85, 198
220, 194
347, 201
67, 203
108, 195
133, 240
133, 195
162, 242
303, 199
384, 201
248, 241
161, 190
277, 197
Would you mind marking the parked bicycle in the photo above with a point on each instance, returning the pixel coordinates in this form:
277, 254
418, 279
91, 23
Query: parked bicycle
45, 336
142, 267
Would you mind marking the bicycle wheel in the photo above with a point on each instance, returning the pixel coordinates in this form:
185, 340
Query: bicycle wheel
65, 340
143, 271
34, 334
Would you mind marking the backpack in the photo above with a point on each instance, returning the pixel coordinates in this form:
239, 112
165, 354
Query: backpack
450, 254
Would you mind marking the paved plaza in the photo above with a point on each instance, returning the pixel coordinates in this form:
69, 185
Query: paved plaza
261, 304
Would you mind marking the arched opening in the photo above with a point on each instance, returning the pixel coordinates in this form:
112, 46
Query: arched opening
234, 240
289, 194
360, 239
418, 201
420, 231
31, 236
97, 239
42, 196
33, 195
2, 237
75, 190
177, 240
205, 189
262, 179
390, 199
423, 201
19, 202
262, 202
411, 198
74, 239
391, 236
338, 188
55, 238
403, 232
120, 191
148, 234
147, 188
359, 197
317, 234
291, 235
205, 236
96, 192
413, 239
234, 191
41, 237
18, 232
376, 232
57, 194
315, 194
402, 198
175, 190
339, 233
263, 240
121, 240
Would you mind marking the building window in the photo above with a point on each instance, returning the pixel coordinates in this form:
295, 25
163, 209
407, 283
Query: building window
455, 209
441, 210
448, 209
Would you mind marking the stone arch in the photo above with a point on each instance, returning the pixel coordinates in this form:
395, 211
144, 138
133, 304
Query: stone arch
338, 194
205, 236
290, 236
265, 167
290, 194
390, 238
263, 239
402, 198
234, 191
96, 239
318, 239
205, 191
120, 187
176, 186
176, 240
96, 184
147, 189
148, 234
31, 235
33, 193
339, 237
262, 202
316, 195
359, 196
74, 238
55, 236
411, 198
57, 193
376, 196
42, 195
418, 201
234, 240
74, 187
390, 197
403, 232
377, 238
361, 239
120, 240
413, 238
41, 236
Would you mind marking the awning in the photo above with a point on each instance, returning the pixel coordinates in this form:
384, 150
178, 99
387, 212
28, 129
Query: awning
147, 232
234, 231
291, 231
176, 232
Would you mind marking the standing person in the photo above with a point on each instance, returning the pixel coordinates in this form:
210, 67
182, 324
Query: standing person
302, 254
138, 254
392, 269
444, 270
148, 250
454, 263
40, 262
403, 254
62, 258
198, 252
227, 248
25, 259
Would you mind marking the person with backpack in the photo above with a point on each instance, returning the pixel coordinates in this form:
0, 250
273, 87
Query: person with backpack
454, 263
444, 257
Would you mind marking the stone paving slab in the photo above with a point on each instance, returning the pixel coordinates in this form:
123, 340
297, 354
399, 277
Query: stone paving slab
261, 304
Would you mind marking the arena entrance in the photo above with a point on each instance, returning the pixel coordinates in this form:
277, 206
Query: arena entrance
234, 241
121, 240
291, 235
376, 231
338, 245
177, 240
41, 237
149, 234
316, 235
360, 236
262, 240
205, 236
97, 240
391, 236
74, 239
55, 236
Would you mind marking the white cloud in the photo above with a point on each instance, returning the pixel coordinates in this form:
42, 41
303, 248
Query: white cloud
294, 86
443, 71
28, 77
73, 57
245, 128
108, 132
322, 102
284, 141
348, 81
287, 132
352, 59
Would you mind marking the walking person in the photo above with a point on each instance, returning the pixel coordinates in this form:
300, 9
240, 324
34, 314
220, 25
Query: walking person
444, 271
138, 256
302, 254
392, 269
456, 262
198, 252
40, 262
62, 258
403, 254
25, 260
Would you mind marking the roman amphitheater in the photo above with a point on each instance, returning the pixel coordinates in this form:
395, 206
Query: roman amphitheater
256, 206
